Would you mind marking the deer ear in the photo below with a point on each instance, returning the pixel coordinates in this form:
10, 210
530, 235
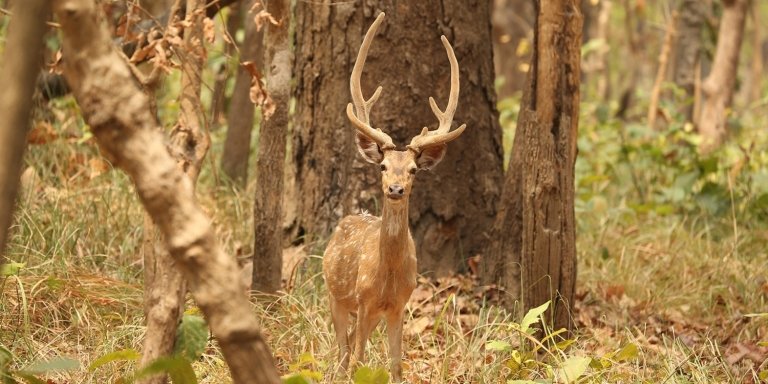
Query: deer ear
369, 149
430, 156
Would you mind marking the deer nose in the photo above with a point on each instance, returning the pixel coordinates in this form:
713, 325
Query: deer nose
396, 189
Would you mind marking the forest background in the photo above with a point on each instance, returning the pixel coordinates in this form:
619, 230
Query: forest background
670, 215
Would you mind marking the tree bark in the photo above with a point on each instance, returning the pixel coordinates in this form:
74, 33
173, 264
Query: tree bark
118, 114
532, 252
450, 207
223, 70
22, 58
688, 55
719, 86
267, 208
237, 144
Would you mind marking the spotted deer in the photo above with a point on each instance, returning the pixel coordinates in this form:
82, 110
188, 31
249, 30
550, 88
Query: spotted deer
370, 262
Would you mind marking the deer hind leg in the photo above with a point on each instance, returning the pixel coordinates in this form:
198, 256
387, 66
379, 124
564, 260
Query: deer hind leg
340, 318
366, 322
395, 339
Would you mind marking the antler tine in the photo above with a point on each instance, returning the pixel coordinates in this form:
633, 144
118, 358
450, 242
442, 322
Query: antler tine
442, 135
360, 117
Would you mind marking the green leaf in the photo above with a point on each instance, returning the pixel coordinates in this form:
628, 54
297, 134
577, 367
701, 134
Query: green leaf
366, 375
55, 364
533, 316
178, 368
629, 352
29, 378
295, 379
191, 337
121, 355
763, 375
573, 368
11, 269
498, 345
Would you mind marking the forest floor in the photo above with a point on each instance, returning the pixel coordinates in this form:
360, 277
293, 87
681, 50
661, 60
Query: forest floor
662, 297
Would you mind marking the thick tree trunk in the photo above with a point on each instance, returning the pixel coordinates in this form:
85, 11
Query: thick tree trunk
267, 208
118, 114
535, 228
451, 207
512, 22
689, 52
22, 58
237, 145
719, 86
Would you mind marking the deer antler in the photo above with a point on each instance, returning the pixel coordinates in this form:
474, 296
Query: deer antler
442, 135
360, 117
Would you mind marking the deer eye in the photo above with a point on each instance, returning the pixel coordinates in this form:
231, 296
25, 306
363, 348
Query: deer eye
413, 170
383, 167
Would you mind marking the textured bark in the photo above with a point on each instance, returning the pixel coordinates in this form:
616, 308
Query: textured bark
532, 252
689, 51
118, 114
22, 58
267, 208
452, 206
512, 22
237, 144
719, 86
164, 284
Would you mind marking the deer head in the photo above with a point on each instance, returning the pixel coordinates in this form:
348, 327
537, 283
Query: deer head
426, 150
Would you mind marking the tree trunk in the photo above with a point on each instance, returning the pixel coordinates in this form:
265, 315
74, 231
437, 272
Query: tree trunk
223, 70
165, 286
533, 240
118, 114
689, 52
450, 207
22, 58
719, 86
512, 22
237, 145
267, 250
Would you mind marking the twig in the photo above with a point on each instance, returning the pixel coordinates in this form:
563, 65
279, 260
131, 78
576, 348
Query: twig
669, 40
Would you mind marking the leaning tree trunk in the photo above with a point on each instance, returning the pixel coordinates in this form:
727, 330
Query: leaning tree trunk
165, 286
450, 207
267, 250
22, 58
119, 116
237, 145
719, 86
533, 241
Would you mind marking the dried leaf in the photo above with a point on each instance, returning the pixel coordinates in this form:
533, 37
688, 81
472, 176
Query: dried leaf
41, 133
258, 94
97, 167
209, 30
262, 18
417, 326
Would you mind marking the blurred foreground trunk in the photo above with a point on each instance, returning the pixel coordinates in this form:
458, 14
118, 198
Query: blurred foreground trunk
237, 145
719, 86
22, 58
118, 114
165, 286
267, 209
533, 240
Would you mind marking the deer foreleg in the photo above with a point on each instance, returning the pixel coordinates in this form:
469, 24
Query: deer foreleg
395, 339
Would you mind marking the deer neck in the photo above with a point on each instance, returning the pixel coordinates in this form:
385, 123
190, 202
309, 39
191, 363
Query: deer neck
395, 234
